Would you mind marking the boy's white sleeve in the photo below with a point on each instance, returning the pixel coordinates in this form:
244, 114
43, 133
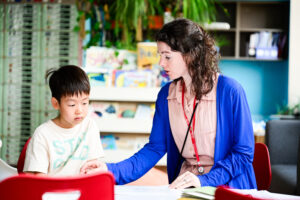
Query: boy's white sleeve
37, 158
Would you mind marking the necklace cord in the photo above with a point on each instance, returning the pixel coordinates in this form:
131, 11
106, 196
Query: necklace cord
187, 132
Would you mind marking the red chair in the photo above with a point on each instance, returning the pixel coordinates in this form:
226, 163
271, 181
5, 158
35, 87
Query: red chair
21, 160
262, 166
223, 193
23, 186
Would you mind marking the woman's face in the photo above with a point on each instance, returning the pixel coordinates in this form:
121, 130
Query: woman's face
172, 61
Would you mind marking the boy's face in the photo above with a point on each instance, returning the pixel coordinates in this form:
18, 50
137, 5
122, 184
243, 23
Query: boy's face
73, 109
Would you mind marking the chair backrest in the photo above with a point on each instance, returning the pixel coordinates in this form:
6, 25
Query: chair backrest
224, 193
24, 186
20, 164
282, 140
262, 166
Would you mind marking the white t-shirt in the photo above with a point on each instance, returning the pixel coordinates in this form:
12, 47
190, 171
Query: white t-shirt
59, 151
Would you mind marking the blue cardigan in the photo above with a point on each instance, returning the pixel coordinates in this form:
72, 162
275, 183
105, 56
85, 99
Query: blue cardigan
234, 143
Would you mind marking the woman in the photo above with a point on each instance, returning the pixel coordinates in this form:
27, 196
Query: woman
202, 119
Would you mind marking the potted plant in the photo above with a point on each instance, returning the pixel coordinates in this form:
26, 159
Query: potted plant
289, 111
131, 16
201, 11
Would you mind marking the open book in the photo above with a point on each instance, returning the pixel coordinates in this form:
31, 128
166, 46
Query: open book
6, 170
206, 192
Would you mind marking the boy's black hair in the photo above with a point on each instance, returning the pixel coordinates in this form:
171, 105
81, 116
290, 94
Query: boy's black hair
68, 80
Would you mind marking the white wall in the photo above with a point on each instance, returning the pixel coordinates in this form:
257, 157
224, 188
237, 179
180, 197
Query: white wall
294, 53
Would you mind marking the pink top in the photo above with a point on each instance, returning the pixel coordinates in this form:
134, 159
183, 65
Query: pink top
205, 126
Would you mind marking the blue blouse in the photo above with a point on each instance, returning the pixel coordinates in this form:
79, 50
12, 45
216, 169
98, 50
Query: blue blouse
234, 144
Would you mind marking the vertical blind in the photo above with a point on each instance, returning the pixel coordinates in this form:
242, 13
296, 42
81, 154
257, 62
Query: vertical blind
34, 37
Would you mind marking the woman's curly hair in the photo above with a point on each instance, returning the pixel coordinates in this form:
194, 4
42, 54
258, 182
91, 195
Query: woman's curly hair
198, 50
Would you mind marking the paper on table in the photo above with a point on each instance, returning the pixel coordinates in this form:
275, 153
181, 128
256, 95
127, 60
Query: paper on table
130, 192
6, 170
264, 194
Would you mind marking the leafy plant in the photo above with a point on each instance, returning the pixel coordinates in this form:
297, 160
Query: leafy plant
221, 40
289, 110
131, 16
200, 11
87, 10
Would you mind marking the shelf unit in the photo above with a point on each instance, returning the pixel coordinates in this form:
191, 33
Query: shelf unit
122, 127
246, 18
101, 93
126, 125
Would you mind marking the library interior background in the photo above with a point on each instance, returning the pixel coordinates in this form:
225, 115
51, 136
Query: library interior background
115, 46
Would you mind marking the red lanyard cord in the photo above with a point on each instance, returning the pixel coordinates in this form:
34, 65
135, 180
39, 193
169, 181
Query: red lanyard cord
189, 125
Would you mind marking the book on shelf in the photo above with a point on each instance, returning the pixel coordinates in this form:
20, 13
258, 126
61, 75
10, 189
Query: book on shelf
108, 141
266, 45
147, 55
133, 78
123, 110
109, 58
105, 109
126, 110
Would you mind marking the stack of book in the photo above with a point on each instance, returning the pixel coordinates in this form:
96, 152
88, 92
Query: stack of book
266, 45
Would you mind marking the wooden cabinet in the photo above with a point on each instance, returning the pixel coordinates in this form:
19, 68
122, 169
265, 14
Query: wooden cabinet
246, 18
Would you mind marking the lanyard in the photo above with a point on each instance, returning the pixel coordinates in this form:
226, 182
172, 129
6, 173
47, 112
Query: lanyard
200, 169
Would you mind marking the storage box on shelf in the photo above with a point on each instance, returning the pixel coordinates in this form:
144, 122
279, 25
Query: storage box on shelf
247, 18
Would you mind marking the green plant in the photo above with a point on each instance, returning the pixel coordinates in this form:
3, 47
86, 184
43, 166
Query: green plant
200, 11
89, 10
131, 17
221, 41
289, 110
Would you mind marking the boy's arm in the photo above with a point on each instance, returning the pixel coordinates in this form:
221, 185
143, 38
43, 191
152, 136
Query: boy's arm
92, 166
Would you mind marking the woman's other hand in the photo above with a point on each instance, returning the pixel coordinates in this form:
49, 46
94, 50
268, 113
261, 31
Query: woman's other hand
93, 166
185, 180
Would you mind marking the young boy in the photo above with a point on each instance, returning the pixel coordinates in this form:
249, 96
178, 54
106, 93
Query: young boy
60, 146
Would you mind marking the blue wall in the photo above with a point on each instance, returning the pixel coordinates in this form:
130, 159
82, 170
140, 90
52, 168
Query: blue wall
265, 83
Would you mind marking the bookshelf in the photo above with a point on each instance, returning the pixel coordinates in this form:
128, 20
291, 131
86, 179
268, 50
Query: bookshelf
128, 131
246, 18
101, 93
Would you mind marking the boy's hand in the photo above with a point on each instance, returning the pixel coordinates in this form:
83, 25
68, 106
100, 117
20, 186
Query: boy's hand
93, 166
185, 180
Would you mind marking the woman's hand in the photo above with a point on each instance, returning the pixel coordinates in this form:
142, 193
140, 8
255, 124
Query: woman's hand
93, 166
185, 180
